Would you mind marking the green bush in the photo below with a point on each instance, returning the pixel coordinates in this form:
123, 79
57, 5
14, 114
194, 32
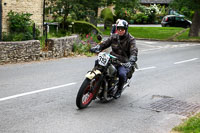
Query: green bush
107, 15
124, 13
87, 41
20, 27
19, 22
141, 18
81, 48
83, 27
151, 14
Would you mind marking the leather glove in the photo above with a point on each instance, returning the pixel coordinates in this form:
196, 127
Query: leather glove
127, 65
133, 59
131, 62
95, 49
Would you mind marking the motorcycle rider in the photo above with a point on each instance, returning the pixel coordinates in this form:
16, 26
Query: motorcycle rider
124, 48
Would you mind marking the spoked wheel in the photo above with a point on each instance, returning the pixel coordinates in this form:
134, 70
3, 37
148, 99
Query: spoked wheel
87, 92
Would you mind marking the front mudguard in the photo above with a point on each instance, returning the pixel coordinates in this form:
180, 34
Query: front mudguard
91, 74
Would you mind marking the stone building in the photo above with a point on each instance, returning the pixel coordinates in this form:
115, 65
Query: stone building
34, 7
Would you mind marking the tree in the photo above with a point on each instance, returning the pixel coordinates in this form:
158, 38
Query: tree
63, 8
124, 9
192, 5
80, 8
92, 6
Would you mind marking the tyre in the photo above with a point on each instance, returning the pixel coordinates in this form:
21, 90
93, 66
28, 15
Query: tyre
188, 26
167, 25
87, 92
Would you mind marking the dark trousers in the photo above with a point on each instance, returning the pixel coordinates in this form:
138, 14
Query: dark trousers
122, 72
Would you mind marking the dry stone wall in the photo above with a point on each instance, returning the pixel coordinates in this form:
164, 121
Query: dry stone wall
26, 51
13, 52
62, 47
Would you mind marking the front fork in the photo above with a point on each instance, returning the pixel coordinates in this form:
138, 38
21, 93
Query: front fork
93, 75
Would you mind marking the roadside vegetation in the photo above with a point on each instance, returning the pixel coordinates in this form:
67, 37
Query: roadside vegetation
21, 27
158, 33
191, 125
87, 41
184, 37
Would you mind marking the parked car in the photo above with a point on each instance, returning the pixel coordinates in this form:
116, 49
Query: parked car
175, 21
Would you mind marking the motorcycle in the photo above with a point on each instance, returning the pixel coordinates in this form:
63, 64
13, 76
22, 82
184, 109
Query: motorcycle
102, 81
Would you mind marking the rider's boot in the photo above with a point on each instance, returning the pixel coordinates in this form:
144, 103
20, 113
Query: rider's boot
119, 91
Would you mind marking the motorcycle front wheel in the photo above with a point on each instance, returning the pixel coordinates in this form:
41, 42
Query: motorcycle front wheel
87, 92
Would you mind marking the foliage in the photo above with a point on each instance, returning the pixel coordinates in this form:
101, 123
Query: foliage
85, 27
193, 5
192, 125
87, 41
107, 15
126, 4
143, 14
76, 9
124, 9
190, 4
184, 7
19, 22
187, 12
125, 13
141, 18
60, 33
150, 14
61, 9
20, 27
42, 41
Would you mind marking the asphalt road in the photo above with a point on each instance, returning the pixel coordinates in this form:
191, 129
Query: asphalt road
39, 97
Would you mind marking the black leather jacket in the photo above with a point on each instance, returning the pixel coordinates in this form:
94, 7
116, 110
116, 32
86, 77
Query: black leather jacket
124, 48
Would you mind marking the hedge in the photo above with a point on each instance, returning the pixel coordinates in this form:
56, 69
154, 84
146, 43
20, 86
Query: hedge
85, 27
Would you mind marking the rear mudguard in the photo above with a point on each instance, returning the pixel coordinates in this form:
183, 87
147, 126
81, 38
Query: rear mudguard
91, 74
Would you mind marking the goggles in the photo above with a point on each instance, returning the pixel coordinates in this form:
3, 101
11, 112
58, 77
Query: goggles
120, 28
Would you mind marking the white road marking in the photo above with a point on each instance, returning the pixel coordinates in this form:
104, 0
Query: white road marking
34, 92
60, 86
147, 68
148, 45
168, 46
150, 42
146, 50
184, 61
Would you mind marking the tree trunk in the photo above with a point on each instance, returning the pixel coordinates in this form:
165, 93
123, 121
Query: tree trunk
195, 28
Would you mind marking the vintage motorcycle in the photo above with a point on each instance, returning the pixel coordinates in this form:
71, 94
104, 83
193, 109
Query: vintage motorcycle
101, 82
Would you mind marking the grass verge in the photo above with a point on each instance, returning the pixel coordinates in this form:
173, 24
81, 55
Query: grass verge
184, 37
192, 125
158, 33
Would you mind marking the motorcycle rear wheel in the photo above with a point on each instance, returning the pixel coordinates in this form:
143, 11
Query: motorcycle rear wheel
87, 92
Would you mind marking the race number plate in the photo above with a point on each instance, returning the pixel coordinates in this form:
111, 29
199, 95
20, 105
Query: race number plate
103, 59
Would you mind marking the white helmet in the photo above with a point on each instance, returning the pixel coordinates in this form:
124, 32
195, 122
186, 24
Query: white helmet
122, 24
117, 21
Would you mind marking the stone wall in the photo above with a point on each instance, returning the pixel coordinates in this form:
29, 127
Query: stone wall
26, 51
13, 52
62, 47
34, 7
